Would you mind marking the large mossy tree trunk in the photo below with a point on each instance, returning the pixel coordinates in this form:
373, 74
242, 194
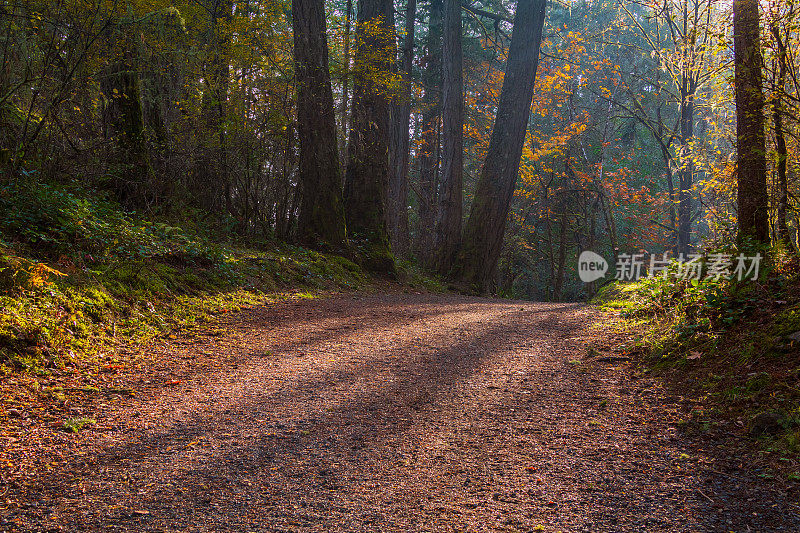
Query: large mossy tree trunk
366, 183
124, 123
320, 223
400, 142
164, 81
483, 234
750, 138
448, 224
211, 167
429, 141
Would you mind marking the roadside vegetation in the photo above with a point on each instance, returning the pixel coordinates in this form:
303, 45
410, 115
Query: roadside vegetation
79, 276
731, 346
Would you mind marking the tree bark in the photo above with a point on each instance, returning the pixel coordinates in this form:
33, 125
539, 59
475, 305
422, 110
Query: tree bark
399, 148
686, 172
211, 169
367, 176
562, 257
483, 235
345, 85
448, 227
320, 222
124, 122
750, 139
429, 145
780, 137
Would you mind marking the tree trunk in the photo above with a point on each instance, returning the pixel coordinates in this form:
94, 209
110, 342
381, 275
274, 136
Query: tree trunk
124, 122
448, 227
429, 145
483, 235
562, 257
321, 220
367, 177
780, 137
345, 85
212, 167
399, 149
666, 157
750, 141
686, 172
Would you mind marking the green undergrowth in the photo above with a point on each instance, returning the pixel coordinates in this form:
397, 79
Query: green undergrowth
410, 274
734, 346
79, 276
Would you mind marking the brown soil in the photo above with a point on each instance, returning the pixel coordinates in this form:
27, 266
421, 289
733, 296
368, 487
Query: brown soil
394, 412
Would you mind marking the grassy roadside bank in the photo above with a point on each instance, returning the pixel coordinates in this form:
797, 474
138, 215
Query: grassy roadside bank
68, 317
731, 347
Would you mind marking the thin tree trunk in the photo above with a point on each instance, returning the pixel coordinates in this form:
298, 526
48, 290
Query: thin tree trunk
345, 86
611, 226
399, 149
483, 235
282, 206
666, 157
750, 141
688, 87
367, 178
592, 286
321, 219
686, 172
780, 138
448, 226
562, 257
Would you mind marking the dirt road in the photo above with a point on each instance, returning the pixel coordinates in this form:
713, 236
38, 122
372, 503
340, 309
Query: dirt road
400, 413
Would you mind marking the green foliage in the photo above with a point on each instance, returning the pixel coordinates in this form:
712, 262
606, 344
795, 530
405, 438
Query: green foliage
750, 388
74, 425
728, 340
55, 220
701, 305
118, 277
411, 274
787, 322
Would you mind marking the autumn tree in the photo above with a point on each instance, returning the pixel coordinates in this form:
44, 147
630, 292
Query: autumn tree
779, 22
680, 33
483, 234
211, 169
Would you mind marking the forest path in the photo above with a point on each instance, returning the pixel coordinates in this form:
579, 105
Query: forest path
401, 412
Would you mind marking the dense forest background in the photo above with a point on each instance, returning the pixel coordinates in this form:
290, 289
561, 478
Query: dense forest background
191, 112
